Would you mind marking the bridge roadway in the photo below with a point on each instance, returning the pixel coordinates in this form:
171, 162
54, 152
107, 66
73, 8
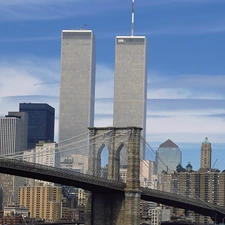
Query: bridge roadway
62, 223
93, 183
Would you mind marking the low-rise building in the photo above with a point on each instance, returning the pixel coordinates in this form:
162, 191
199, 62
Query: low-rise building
158, 215
16, 210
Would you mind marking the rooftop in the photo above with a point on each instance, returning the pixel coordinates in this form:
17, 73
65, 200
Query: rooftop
78, 30
131, 37
168, 144
206, 140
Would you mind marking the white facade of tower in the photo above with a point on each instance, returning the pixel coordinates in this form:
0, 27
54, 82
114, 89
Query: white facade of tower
46, 154
23, 116
130, 86
77, 85
10, 135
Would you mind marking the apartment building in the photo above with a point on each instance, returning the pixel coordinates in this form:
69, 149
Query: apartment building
43, 202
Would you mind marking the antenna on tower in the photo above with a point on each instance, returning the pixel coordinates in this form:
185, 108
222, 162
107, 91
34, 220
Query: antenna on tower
132, 21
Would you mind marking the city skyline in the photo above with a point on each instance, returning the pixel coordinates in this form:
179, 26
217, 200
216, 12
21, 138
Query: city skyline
185, 68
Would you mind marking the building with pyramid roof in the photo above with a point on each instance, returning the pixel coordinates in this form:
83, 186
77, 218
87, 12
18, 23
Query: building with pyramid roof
168, 156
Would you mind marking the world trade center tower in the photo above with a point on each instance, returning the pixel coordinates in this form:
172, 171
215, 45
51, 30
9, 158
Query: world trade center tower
77, 83
130, 84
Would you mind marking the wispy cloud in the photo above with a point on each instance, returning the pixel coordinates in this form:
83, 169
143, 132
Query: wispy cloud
27, 77
30, 39
170, 30
38, 10
184, 120
53, 9
178, 2
201, 29
187, 86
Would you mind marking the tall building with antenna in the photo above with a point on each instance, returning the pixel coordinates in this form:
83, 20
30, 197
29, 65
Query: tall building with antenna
130, 82
77, 84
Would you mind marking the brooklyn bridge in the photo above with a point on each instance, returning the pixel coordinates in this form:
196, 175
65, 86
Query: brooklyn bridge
118, 201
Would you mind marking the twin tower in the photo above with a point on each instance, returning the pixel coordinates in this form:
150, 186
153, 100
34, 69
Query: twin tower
77, 84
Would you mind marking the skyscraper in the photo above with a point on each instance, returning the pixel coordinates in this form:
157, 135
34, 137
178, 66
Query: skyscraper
168, 156
206, 152
77, 85
10, 188
23, 116
11, 142
41, 120
130, 86
10, 135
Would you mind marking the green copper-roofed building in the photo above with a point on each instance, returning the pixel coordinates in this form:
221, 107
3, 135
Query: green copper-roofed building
206, 154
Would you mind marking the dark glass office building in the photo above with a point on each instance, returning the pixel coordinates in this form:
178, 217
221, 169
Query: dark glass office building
41, 117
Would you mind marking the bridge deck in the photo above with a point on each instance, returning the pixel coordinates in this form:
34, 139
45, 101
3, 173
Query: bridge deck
92, 183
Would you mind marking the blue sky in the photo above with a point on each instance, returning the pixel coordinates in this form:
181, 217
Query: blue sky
186, 69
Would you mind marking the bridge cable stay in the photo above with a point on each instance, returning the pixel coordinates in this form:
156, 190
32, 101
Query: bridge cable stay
85, 133
62, 150
95, 142
14, 155
87, 144
144, 161
175, 189
99, 143
18, 154
26, 150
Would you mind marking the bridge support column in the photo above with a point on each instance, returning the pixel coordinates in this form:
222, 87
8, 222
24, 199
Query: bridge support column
132, 190
88, 208
104, 208
117, 208
132, 208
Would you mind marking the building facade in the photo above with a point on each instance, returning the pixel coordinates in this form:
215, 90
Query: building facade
10, 135
41, 120
10, 188
206, 154
148, 176
23, 116
168, 156
12, 140
130, 84
158, 215
77, 84
205, 186
43, 202
77, 162
16, 210
45, 153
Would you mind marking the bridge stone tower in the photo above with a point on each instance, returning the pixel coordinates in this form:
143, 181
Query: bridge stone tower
115, 208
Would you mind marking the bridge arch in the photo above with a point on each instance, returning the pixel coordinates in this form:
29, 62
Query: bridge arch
115, 139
